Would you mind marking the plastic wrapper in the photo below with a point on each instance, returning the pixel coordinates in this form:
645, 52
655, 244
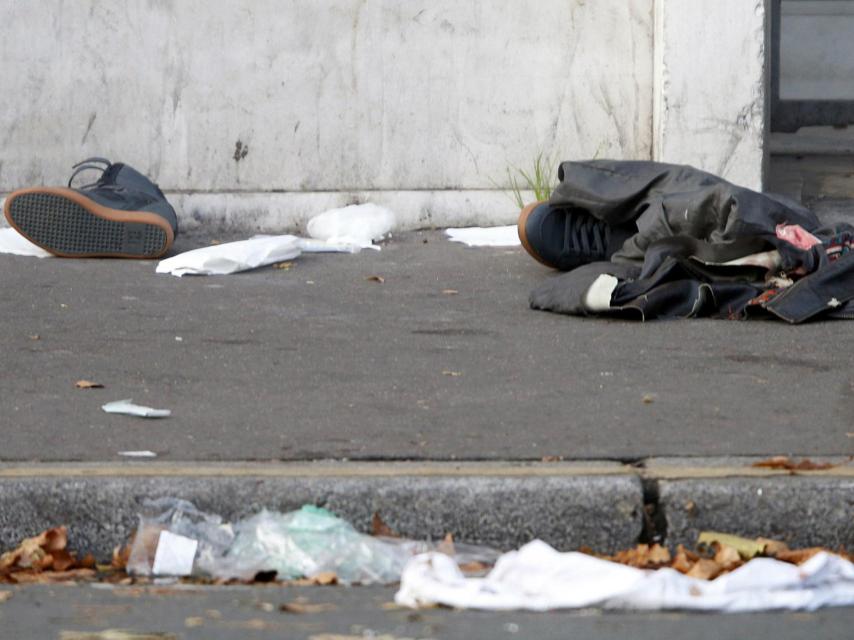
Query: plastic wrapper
302, 543
308, 542
181, 518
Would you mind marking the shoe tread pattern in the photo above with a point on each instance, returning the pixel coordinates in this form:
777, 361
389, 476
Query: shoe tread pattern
66, 227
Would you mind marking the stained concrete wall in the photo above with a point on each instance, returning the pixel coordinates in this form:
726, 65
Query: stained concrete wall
260, 113
712, 101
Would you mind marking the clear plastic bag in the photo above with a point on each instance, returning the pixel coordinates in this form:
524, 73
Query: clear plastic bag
302, 543
308, 542
181, 518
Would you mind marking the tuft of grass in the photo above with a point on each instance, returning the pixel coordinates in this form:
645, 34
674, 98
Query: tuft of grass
539, 179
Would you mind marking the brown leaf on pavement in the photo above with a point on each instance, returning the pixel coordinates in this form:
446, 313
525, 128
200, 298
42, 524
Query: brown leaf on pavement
88, 562
728, 557
324, 578
5, 595
52, 577
35, 552
121, 555
643, 556
784, 462
798, 556
380, 529
746, 547
88, 384
705, 569
772, 547
684, 560
379, 279
62, 560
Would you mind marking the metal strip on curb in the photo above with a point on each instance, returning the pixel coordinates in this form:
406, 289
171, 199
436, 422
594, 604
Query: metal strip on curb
599, 504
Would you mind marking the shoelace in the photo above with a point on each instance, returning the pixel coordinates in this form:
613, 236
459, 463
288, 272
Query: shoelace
585, 235
90, 163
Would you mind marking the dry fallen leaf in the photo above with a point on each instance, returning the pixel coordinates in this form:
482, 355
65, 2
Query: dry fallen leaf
648, 398
453, 374
746, 547
449, 292
551, 459
705, 569
684, 560
643, 556
5, 595
50, 577
36, 552
283, 265
379, 279
798, 556
324, 578
784, 462
727, 556
772, 547
88, 384
380, 529
194, 621
121, 555
35, 336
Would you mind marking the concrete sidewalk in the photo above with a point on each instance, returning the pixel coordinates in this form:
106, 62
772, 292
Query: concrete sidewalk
439, 385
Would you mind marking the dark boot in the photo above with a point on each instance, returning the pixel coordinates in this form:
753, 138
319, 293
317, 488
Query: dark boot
566, 238
122, 215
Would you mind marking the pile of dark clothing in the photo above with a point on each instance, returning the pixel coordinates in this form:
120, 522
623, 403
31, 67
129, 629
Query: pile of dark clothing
700, 247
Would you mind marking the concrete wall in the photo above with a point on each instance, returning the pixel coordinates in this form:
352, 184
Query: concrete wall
260, 113
712, 101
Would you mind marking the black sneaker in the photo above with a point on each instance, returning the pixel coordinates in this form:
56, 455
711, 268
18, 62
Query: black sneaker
566, 238
122, 215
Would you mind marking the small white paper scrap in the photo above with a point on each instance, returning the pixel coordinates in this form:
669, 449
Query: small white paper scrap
128, 408
486, 236
175, 555
13, 242
138, 454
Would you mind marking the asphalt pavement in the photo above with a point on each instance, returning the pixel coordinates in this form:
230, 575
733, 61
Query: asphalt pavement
441, 360
414, 382
338, 613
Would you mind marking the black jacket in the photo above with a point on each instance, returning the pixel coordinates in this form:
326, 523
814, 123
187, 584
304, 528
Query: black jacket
690, 223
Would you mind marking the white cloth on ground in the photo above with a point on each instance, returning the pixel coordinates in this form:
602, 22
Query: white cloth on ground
13, 242
485, 236
539, 578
